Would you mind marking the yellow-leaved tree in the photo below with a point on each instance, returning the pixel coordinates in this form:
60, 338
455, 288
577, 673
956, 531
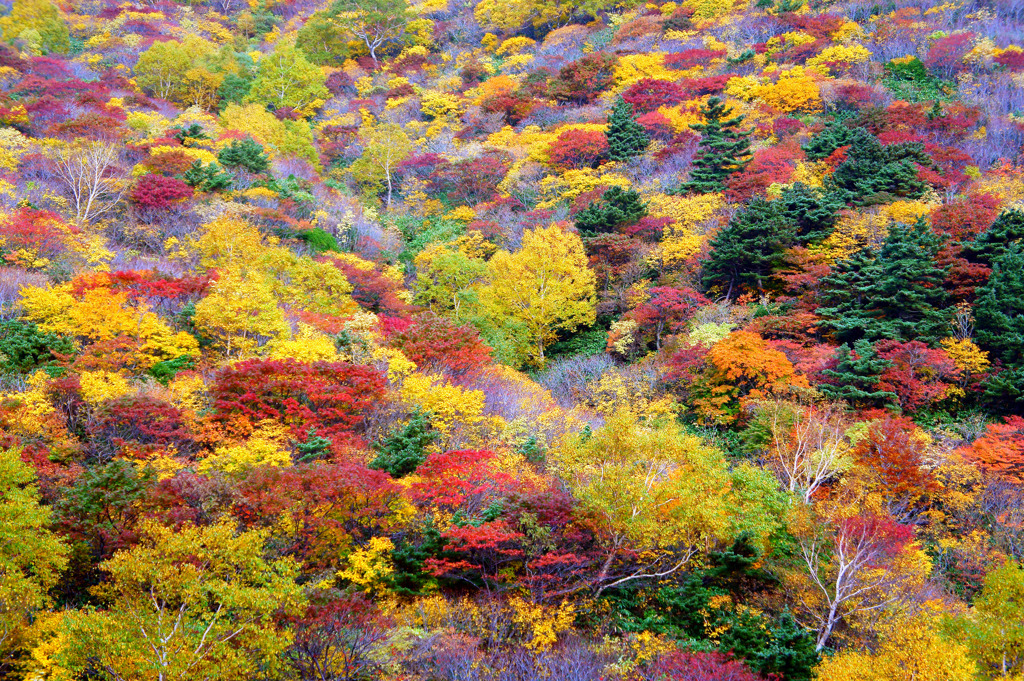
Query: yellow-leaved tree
187, 603
658, 497
546, 286
31, 557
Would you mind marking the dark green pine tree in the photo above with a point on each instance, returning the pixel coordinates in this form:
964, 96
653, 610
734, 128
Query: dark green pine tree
988, 246
626, 137
246, 154
724, 149
814, 211
856, 377
824, 143
401, 453
208, 178
874, 173
617, 207
894, 293
749, 249
999, 324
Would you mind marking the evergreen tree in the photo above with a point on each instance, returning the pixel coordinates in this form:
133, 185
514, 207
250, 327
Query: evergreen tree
626, 137
314, 445
208, 178
749, 248
813, 211
991, 244
824, 144
724, 149
402, 453
617, 207
999, 320
246, 154
893, 293
874, 173
857, 375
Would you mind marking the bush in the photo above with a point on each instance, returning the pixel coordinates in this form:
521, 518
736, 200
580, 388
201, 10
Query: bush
648, 94
576, 149
154, 193
584, 79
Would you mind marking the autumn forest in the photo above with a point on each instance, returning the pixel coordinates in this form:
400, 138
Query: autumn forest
511, 340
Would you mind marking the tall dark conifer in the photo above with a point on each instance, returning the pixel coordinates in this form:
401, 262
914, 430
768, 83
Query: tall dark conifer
724, 149
894, 293
626, 137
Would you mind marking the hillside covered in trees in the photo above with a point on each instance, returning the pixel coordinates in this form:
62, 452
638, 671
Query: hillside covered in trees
521, 340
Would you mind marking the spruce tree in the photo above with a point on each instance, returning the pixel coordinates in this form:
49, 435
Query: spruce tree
401, 453
617, 207
999, 310
814, 211
856, 376
626, 137
894, 293
874, 173
991, 244
999, 320
724, 149
749, 249
246, 154
208, 178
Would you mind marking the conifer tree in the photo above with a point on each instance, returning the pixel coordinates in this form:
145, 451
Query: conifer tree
246, 154
626, 137
991, 244
857, 375
814, 211
402, 453
617, 207
724, 149
874, 173
894, 293
999, 320
749, 248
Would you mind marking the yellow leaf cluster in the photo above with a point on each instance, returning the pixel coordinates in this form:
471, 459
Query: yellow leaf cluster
693, 215
100, 386
854, 53
368, 567
965, 355
793, 91
542, 624
265, 447
634, 67
99, 314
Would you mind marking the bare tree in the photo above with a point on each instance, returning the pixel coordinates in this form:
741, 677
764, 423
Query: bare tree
854, 564
92, 178
808, 444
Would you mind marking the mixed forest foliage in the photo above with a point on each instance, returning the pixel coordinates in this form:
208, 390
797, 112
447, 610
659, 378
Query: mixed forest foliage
530, 339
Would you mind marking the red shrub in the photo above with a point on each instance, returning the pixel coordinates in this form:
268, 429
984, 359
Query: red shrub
688, 59
372, 290
919, 375
157, 193
648, 94
578, 149
470, 181
946, 56
657, 125
966, 217
584, 79
1012, 60
687, 666
41, 231
704, 86
333, 397
436, 343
